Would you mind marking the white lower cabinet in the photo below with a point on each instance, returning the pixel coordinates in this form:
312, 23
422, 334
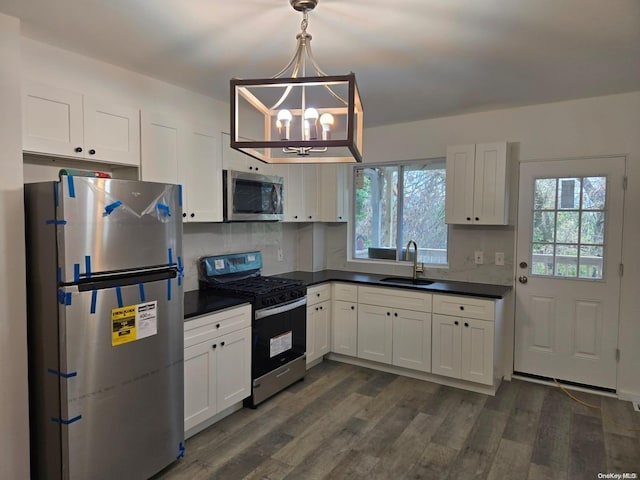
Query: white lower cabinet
463, 347
412, 340
375, 333
318, 322
344, 328
217, 364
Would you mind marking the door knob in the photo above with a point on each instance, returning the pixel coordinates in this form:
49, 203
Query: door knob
523, 265
523, 279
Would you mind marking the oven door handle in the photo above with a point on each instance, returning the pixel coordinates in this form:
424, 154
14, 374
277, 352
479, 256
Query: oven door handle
268, 312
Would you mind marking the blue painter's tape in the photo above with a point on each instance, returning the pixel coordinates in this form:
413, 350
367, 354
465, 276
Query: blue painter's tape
67, 298
61, 374
56, 222
94, 300
56, 193
142, 295
76, 272
111, 207
87, 265
180, 195
180, 270
119, 297
64, 298
169, 289
164, 209
66, 422
61, 297
170, 255
181, 451
72, 188
59, 274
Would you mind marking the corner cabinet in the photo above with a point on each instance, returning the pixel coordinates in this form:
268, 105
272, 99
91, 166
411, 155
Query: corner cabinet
318, 322
217, 365
174, 151
477, 184
69, 124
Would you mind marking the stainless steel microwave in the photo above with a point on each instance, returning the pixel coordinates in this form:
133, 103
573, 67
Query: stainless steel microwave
250, 197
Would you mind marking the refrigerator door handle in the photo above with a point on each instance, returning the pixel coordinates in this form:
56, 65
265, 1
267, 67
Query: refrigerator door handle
98, 282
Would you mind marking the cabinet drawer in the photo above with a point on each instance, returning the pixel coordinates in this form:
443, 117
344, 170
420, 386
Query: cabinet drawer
345, 292
318, 294
464, 307
213, 325
395, 298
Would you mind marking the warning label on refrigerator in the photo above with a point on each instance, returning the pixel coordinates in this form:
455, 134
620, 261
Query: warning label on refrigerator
133, 322
280, 344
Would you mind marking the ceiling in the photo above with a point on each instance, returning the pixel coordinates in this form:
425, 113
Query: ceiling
413, 59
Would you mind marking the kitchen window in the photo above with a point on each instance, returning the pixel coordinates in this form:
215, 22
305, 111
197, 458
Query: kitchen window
395, 203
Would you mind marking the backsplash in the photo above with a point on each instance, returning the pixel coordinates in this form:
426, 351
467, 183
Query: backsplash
219, 238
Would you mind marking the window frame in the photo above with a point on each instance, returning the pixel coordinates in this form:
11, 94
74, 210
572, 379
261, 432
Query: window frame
400, 246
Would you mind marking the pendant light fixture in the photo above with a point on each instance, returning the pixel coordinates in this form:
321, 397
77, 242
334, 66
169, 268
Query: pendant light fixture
294, 118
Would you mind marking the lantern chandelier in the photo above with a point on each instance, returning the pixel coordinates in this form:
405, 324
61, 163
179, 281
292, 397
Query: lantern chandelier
294, 118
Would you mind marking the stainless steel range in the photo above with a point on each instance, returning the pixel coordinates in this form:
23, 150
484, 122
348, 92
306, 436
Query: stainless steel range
279, 327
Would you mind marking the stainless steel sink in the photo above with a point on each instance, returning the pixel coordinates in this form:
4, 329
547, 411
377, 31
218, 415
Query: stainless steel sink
407, 281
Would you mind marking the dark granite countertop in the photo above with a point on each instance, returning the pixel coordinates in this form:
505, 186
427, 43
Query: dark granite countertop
438, 286
199, 302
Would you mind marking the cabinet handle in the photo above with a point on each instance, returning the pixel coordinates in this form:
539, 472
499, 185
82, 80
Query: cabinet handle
395, 314
461, 307
468, 219
217, 325
316, 309
250, 168
340, 218
78, 149
222, 344
466, 324
388, 313
214, 346
477, 219
321, 307
310, 217
92, 152
456, 322
192, 215
296, 216
317, 294
184, 215
256, 169
352, 307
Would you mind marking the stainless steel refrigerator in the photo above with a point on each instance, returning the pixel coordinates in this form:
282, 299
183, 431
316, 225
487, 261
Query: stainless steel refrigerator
105, 327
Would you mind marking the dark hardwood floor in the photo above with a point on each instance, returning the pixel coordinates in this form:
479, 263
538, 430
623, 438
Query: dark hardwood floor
345, 421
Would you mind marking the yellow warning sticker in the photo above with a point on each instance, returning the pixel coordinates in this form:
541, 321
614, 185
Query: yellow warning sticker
123, 325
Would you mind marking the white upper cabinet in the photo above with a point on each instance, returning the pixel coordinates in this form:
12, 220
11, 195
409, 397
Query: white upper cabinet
240, 162
174, 151
69, 124
333, 192
477, 184
301, 193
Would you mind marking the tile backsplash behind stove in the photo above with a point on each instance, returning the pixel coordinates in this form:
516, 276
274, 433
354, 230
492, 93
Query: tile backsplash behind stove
202, 239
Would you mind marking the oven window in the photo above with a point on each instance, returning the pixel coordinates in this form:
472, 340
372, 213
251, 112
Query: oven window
278, 339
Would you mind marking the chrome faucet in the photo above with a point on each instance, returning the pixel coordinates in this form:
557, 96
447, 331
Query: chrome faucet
416, 268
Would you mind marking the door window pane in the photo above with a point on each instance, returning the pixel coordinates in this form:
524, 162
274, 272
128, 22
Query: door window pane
568, 227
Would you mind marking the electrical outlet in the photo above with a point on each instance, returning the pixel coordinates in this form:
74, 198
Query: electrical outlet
499, 258
280, 255
479, 257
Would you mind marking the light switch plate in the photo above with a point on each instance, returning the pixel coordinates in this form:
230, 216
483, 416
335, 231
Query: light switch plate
499, 258
479, 257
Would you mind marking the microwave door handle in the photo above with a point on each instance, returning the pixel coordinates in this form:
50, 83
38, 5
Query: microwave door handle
268, 312
276, 199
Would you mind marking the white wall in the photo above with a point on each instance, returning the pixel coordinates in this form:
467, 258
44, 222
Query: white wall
590, 127
14, 407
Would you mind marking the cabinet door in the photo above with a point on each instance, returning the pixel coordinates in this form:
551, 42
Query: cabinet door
233, 368
490, 205
293, 192
199, 384
477, 351
412, 340
375, 330
201, 178
333, 197
459, 183
344, 328
318, 330
111, 132
52, 121
162, 148
446, 346
310, 192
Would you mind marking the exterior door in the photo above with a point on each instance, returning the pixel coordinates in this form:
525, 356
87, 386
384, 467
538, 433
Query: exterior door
568, 268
